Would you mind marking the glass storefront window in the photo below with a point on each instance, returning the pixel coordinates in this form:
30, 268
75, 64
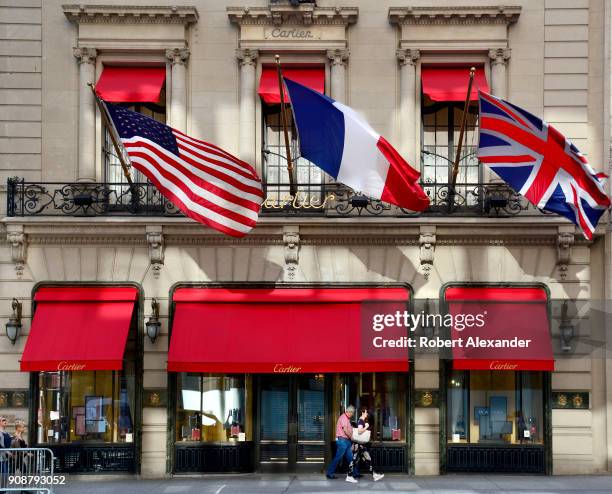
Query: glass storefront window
90, 406
495, 407
384, 395
214, 407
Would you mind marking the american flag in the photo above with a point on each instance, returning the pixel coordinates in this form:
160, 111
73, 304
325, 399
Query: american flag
205, 182
538, 162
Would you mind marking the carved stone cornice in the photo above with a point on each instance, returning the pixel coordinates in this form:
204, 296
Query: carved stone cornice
338, 56
454, 15
178, 55
76, 239
247, 56
499, 56
407, 56
85, 54
130, 14
285, 14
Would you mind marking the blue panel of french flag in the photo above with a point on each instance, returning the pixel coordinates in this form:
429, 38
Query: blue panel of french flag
337, 140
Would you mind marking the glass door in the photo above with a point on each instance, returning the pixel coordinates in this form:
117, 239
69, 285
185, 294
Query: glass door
310, 419
274, 420
292, 422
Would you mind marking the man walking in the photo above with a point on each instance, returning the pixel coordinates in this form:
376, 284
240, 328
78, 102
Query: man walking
344, 434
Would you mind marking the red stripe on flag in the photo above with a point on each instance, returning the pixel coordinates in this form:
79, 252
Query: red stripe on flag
401, 184
211, 147
202, 182
198, 199
523, 158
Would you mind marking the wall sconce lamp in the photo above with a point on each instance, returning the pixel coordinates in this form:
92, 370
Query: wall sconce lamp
153, 325
566, 329
14, 323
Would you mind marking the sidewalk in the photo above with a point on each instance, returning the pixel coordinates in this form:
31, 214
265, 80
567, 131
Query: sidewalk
272, 484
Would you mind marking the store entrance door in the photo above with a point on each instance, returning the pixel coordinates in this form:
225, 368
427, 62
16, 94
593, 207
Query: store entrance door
291, 422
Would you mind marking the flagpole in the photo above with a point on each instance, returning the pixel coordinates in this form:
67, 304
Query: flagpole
451, 190
292, 185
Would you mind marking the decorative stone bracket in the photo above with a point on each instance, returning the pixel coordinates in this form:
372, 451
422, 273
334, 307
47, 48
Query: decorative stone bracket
155, 239
291, 239
16, 238
565, 240
427, 242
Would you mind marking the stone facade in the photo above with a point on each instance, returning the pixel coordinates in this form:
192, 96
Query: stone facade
548, 56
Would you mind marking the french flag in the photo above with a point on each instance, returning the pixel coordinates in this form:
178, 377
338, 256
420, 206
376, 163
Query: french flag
337, 140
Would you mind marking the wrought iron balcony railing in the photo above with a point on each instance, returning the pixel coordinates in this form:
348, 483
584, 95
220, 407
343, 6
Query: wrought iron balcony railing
323, 199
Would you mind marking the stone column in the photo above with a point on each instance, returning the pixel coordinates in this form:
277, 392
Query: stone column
178, 99
338, 59
248, 64
407, 146
499, 61
87, 114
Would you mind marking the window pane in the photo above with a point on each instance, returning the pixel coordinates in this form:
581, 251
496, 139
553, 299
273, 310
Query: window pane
493, 406
276, 177
82, 406
457, 407
212, 408
383, 394
530, 423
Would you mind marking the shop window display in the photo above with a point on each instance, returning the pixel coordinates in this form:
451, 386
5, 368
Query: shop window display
214, 408
85, 406
495, 407
384, 394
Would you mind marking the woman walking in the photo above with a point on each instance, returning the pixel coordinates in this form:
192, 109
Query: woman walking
360, 450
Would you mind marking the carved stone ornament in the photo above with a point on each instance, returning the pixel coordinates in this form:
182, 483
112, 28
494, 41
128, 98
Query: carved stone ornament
499, 56
454, 15
247, 56
155, 239
85, 54
284, 13
16, 238
427, 242
291, 239
565, 240
407, 56
178, 55
130, 14
338, 57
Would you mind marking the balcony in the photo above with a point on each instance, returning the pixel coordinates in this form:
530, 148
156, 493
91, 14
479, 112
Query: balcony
331, 200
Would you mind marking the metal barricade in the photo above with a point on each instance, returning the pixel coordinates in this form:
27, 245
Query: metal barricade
27, 470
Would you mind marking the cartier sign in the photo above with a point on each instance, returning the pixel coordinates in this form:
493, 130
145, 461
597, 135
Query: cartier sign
294, 33
70, 366
286, 369
500, 365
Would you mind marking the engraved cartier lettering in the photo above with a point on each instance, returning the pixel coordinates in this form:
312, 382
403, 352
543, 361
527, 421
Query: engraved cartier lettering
286, 369
67, 366
292, 33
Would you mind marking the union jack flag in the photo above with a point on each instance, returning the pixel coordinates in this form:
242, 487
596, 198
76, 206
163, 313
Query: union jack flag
539, 163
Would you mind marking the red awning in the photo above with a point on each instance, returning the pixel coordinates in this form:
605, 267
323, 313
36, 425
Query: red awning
79, 328
508, 313
312, 77
131, 84
451, 83
283, 330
